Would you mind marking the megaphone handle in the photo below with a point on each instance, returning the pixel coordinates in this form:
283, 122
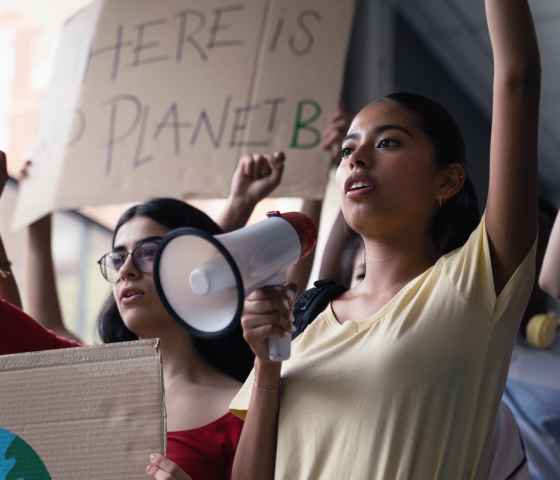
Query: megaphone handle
279, 348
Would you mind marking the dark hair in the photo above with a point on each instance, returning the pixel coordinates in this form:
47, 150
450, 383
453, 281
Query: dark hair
455, 220
229, 354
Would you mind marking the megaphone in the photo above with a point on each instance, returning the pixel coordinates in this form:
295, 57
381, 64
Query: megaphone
203, 279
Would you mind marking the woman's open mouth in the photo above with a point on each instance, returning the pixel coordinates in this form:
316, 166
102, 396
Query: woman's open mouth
358, 186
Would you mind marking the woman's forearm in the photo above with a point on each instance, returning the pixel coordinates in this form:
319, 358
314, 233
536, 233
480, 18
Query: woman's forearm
43, 298
300, 272
236, 213
256, 453
514, 40
332, 264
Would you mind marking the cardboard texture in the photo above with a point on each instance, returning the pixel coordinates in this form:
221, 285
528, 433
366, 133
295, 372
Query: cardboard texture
161, 98
81, 413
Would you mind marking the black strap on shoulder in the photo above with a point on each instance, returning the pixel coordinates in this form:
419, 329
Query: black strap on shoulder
313, 301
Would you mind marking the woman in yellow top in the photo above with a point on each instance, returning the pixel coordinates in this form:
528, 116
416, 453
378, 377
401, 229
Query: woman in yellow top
401, 377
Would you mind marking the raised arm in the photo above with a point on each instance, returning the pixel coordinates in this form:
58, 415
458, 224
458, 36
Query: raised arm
340, 233
332, 264
9, 290
334, 133
43, 299
549, 279
299, 272
511, 213
254, 179
44, 303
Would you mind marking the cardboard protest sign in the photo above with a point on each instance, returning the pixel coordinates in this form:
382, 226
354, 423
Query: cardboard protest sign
91, 412
161, 98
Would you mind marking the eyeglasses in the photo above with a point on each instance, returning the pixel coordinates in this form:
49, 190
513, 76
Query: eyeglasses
142, 255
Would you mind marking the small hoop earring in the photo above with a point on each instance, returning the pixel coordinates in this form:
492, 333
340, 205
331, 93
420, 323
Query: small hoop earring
440, 202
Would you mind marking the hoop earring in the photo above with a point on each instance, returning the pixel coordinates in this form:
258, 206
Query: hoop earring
441, 201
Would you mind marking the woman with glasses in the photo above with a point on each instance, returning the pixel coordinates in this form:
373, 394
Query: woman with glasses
200, 376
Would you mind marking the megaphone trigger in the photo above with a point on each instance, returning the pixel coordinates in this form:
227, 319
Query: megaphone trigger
279, 347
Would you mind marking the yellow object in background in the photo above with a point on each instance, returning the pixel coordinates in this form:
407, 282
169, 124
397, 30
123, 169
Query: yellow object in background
541, 330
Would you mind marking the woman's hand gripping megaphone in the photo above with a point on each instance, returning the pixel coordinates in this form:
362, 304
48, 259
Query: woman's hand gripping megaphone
267, 314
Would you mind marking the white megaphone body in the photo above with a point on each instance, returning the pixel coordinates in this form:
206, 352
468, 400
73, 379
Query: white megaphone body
203, 279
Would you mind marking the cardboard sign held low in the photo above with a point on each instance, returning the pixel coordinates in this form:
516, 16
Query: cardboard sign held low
161, 98
81, 413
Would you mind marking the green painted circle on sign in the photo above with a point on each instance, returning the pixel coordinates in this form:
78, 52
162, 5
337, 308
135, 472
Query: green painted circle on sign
18, 461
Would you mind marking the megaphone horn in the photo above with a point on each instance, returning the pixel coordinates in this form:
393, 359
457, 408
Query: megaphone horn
203, 279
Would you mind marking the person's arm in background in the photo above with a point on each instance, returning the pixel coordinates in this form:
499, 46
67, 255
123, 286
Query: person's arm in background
332, 267
331, 264
9, 290
338, 125
299, 272
549, 279
254, 179
43, 299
